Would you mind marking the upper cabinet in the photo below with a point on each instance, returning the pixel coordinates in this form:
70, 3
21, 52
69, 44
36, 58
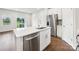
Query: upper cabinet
55, 11
59, 13
35, 20
39, 18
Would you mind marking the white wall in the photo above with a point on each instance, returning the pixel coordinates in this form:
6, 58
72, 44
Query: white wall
77, 20
76, 25
14, 15
7, 41
39, 18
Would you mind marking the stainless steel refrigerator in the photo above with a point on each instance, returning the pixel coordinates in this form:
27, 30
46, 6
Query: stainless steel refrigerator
52, 22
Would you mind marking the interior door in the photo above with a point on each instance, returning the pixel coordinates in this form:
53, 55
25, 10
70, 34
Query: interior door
67, 25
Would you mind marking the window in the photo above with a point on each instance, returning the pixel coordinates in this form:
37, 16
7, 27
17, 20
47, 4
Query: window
20, 22
6, 21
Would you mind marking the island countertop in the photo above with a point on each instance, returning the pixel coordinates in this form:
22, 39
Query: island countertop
20, 32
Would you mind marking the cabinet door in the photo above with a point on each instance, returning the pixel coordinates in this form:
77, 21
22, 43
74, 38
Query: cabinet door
59, 13
35, 20
67, 25
47, 37
44, 39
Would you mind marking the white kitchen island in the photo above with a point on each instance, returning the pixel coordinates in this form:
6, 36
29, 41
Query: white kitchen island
44, 37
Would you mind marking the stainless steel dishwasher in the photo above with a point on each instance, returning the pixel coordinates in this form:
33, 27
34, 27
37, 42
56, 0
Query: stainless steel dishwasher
31, 42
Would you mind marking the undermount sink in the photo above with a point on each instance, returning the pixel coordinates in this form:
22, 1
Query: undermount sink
41, 27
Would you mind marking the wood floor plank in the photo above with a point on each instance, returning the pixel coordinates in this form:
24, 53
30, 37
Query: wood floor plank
58, 45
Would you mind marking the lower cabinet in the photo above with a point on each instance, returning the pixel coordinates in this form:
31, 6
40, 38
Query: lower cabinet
39, 43
45, 38
19, 43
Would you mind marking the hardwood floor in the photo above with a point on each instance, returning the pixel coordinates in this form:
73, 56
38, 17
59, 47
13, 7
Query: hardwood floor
58, 45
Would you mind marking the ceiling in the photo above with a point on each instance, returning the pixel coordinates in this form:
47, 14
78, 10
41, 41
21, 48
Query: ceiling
31, 10
26, 10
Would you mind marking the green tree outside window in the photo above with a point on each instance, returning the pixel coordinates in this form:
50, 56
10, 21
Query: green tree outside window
6, 21
20, 22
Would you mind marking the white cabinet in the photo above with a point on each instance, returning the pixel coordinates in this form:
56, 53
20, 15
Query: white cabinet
42, 39
42, 18
45, 38
35, 20
19, 43
39, 19
59, 13
56, 11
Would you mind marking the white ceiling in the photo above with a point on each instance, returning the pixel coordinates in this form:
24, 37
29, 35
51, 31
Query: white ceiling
30, 10
26, 10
